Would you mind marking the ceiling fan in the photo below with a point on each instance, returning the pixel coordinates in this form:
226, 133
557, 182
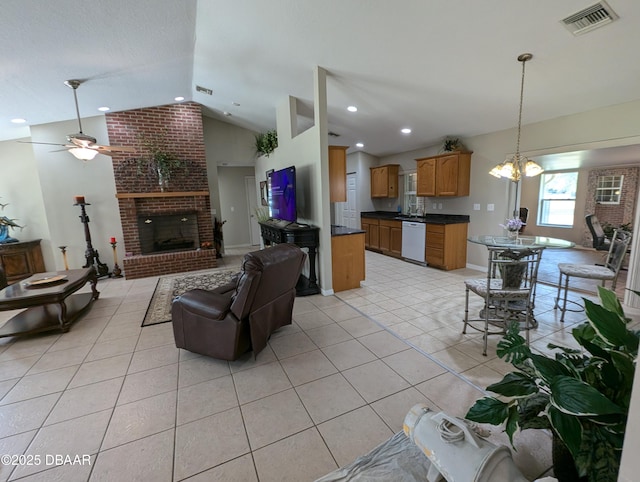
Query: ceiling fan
81, 145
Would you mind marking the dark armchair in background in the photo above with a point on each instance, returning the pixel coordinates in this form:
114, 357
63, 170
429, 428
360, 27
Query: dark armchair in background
600, 241
232, 319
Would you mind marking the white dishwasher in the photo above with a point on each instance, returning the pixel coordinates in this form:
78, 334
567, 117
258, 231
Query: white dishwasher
414, 236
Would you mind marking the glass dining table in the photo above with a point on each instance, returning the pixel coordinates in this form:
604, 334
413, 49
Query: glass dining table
521, 242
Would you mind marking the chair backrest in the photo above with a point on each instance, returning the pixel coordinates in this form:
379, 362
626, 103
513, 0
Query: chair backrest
597, 233
517, 268
617, 251
266, 275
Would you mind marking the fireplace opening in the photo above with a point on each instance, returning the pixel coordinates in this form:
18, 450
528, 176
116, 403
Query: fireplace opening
168, 232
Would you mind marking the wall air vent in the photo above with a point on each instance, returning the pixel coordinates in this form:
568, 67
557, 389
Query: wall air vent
333, 134
204, 90
590, 18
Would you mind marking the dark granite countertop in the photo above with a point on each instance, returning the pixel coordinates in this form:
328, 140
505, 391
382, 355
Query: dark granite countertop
344, 231
427, 218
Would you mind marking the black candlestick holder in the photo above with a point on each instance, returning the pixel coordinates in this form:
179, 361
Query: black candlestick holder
91, 255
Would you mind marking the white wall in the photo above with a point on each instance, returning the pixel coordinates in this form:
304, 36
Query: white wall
20, 188
41, 184
309, 153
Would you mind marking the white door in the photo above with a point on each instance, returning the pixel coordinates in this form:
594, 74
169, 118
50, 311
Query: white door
349, 208
252, 204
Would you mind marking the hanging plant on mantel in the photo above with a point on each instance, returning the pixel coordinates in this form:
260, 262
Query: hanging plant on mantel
266, 142
159, 162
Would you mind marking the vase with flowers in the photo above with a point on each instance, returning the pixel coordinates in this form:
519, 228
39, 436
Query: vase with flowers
512, 226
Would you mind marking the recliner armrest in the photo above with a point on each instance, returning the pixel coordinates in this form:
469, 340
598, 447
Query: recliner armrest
205, 303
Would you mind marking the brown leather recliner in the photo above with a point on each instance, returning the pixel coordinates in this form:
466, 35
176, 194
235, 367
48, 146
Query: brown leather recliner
226, 322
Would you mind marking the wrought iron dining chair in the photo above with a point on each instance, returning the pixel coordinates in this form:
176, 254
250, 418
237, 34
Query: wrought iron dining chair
609, 272
508, 291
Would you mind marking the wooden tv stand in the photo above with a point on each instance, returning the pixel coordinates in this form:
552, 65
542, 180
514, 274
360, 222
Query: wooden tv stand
302, 235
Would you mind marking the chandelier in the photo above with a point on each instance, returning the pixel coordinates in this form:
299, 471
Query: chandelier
517, 165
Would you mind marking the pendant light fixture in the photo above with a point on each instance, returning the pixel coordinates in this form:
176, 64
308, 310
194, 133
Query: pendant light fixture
517, 165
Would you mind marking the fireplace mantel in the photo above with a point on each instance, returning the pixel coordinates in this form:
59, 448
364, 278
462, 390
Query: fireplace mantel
134, 195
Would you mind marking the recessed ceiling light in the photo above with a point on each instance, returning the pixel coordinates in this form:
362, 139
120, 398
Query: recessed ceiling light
103, 109
359, 144
352, 108
179, 99
406, 130
18, 121
228, 114
237, 104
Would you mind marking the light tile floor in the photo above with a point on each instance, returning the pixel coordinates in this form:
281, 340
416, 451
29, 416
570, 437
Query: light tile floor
328, 388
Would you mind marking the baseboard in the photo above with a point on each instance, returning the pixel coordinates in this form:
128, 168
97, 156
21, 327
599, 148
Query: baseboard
476, 267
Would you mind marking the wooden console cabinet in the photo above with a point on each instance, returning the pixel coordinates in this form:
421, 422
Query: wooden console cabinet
444, 175
384, 181
446, 246
21, 260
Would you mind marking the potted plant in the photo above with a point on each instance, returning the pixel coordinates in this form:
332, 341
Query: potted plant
5, 224
266, 142
582, 396
159, 161
452, 144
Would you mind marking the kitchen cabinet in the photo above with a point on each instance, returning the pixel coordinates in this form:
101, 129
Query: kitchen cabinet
347, 261
338, 173
390, 237
384, 181
446, 246
21, 260
444, 175
371, 236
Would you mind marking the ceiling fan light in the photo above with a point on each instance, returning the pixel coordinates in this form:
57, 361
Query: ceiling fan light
83, 153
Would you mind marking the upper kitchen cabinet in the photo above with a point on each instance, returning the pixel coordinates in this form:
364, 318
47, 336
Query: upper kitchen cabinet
384, 180
338, 173
444, 175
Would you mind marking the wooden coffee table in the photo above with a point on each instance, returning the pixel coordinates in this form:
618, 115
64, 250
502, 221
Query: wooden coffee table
49, 300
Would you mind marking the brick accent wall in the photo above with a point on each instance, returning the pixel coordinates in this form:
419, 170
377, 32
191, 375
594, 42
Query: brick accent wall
615, 214
179, 130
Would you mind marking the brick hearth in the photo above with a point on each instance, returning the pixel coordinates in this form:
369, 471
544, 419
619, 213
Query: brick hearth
139, 194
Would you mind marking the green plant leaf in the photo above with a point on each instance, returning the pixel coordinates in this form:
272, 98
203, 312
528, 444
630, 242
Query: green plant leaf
575, 397
514, 385
513, 347
512, 423
610, 301
488, 410
548, 368
609, 326
533, 411
568, 429
599, 455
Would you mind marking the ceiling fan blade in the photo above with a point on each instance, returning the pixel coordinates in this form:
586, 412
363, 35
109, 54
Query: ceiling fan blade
114, 149
44, 143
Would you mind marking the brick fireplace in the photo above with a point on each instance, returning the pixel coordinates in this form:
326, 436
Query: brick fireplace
139, 193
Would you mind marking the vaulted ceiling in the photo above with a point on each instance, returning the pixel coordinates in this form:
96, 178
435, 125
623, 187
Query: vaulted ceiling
438, 67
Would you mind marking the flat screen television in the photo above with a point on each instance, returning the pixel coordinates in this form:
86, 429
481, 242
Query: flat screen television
282, 194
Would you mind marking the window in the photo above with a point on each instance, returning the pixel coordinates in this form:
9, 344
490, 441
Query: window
609, 189
557, 198
412, 203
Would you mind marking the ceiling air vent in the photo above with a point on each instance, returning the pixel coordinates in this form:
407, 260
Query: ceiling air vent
204, 90
591, 17
333, 134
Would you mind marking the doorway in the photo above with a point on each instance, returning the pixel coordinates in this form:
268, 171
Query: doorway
346, 212
251, 190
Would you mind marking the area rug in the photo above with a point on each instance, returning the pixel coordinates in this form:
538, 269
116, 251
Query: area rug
168, 287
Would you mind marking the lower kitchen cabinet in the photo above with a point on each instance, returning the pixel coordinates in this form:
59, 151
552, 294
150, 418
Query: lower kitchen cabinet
446, 246
347, 261
390, 237
371, 236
